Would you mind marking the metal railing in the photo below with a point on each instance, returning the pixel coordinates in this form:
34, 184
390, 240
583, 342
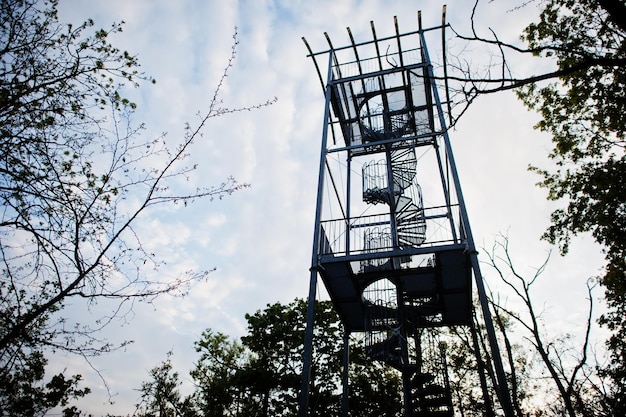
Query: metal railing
342, 237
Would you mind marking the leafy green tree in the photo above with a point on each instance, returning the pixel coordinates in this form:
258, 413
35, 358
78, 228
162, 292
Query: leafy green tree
217, 375
375, 389
160, 396
23, 391
260, 376
275, 339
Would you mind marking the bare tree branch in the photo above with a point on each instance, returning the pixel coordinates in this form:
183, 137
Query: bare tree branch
566, 377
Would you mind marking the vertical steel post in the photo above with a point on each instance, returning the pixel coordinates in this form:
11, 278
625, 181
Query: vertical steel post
489, 412
345, 376
310, 314
502, 389
348, 207
392, 200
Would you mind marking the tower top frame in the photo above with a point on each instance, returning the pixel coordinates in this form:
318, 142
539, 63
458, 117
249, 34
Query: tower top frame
396, 68
400, 45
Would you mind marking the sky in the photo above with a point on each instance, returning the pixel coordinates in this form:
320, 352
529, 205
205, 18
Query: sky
259, 239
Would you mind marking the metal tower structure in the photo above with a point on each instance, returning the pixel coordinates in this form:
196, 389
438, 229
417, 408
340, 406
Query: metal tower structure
392, 242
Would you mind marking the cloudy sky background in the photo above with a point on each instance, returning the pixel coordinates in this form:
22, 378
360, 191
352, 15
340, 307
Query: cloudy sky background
260, 238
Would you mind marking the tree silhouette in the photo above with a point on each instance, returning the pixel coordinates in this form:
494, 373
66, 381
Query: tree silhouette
76, 174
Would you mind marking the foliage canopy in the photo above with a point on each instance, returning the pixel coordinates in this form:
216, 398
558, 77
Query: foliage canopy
260, 374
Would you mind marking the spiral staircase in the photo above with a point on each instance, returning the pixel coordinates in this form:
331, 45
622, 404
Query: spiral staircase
395, 310
408, 211
387, 340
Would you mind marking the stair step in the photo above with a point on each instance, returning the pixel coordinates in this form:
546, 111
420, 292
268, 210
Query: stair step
379, 311
433, 402
377, 195
404, 164
403, 175
430, 390
411, 225
386, 357
428, 309
411, 218
403, 205
404, 154
419, 231
420, 379
390, 345
388, 350
412, 241
433, 413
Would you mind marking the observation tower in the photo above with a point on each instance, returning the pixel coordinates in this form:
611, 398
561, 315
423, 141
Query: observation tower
392, 242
